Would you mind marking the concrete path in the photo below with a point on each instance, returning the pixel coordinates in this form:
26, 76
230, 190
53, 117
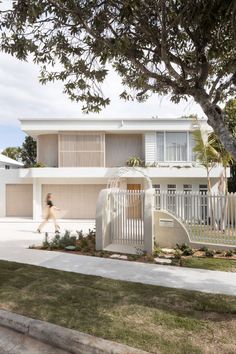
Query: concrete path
13, 248
12, 342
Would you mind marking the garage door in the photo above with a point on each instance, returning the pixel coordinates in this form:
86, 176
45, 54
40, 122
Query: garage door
19, 200
76, 201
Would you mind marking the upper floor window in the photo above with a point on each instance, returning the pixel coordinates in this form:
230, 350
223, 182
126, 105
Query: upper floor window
174, 146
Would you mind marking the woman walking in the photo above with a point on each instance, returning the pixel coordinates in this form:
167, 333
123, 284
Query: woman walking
50, 214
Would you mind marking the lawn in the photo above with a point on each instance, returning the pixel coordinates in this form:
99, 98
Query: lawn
152, 318
226, 265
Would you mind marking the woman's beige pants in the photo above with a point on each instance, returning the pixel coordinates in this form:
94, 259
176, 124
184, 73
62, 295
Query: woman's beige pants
50, 215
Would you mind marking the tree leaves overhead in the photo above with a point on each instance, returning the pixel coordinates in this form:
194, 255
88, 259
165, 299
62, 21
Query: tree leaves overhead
176, 47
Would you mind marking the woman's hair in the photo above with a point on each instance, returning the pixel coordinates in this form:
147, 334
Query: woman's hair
48, 197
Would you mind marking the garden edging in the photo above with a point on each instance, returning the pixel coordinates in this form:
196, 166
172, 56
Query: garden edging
64, 338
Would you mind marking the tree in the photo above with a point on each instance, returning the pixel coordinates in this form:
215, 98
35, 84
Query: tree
13, 152
177, 47
230, 112
29, 152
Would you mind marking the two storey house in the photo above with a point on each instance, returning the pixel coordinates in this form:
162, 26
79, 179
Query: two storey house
82, 156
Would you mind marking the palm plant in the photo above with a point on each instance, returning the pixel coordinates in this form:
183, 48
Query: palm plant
225, 158
206, 153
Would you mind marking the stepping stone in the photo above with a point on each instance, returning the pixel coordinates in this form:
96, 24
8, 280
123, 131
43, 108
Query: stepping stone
116, 256
168, 250
162, 261
124, 257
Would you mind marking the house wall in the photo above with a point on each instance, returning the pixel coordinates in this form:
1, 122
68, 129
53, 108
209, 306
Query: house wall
47, 150
74, 200
25, 176
120, 147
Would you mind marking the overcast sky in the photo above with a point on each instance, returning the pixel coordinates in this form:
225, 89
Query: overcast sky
22, 96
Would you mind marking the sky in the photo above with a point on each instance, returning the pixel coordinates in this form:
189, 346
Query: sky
22, 96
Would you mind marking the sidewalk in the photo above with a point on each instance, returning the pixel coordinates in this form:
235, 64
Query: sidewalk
175, 277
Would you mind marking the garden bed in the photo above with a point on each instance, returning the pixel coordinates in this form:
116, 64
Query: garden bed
181, 255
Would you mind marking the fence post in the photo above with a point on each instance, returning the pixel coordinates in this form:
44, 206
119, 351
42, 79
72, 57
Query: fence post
103, 215
148, 220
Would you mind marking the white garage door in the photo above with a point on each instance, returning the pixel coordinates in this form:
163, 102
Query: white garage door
77, 201
19, 200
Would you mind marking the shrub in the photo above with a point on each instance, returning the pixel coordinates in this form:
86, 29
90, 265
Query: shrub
188, 252
134, 161
229, 253
182, 247
203, 249
177, 254
157, 252
60, 242
80, 234
209, 253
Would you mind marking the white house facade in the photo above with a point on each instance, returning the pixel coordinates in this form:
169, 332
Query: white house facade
83, 156
7, 163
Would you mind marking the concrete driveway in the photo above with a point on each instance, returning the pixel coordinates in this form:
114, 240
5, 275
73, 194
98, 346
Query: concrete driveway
21, 232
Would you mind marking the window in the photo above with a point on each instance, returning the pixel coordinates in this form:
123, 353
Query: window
176, 146
160, 146
7, 167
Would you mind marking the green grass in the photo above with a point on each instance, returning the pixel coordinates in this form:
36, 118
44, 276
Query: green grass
226, 265
152, 318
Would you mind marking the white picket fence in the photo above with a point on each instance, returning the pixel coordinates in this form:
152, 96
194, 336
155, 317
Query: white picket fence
208, 218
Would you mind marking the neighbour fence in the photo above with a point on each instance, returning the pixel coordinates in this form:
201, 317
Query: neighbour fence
208, 218
127, 210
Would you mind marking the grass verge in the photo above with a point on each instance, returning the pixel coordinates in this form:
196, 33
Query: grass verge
152, 318
226, 265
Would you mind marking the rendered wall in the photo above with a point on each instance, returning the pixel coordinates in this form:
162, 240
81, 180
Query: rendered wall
47, 149
168, 230
119, 147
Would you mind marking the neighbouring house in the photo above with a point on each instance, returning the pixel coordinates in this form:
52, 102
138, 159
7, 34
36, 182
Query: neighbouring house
82, 156
7, 163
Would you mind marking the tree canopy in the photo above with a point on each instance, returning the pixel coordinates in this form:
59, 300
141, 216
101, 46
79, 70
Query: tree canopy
177, 47
29, 152
13, 152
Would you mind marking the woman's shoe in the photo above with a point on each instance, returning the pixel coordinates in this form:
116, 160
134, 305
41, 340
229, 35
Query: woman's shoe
38, 231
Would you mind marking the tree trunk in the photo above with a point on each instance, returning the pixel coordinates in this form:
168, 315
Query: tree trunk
216, 119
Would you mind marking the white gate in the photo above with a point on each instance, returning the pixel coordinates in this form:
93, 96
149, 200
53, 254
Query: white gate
127, 217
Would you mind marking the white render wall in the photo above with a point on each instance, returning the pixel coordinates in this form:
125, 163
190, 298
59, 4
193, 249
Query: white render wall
39, 176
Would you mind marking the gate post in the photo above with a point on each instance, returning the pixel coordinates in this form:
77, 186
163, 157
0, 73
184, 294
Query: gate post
148, 220
103, 214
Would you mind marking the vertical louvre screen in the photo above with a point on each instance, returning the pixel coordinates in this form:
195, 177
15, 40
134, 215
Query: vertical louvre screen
82, 150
